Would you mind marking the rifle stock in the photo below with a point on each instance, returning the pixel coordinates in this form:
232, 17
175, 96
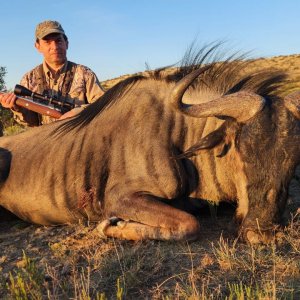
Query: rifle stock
38, 107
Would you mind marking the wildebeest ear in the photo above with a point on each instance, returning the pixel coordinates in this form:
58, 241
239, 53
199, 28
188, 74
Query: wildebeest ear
208, 142
292, 103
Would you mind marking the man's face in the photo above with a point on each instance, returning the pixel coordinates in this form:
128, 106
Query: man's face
54, 48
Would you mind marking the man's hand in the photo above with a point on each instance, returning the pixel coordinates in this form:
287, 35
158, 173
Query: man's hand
73, 112
8, 100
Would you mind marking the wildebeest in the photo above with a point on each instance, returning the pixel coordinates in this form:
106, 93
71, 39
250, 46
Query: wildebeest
150, 144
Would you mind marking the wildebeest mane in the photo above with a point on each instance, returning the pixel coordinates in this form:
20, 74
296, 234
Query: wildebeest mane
105, 101
227, 73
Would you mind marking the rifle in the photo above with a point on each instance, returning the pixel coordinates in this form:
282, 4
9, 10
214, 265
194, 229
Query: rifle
49, 106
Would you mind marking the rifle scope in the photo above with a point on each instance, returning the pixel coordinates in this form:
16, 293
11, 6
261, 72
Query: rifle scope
23, 91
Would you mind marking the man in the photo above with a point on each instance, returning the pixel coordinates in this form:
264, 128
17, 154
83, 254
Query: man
56, 76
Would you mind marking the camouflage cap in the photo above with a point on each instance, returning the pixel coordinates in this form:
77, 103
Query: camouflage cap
47, 27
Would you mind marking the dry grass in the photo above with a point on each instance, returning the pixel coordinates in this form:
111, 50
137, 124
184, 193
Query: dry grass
73, 262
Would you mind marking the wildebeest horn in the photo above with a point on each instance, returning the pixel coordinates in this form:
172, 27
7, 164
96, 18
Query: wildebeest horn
241, 106
292, 103
181, 86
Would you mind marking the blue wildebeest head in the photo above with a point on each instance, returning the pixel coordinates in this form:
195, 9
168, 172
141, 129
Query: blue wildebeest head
258, 141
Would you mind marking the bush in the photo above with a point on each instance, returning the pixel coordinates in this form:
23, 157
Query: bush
2, 74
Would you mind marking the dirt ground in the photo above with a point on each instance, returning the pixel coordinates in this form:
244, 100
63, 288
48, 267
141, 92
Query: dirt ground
37, 241
71, 261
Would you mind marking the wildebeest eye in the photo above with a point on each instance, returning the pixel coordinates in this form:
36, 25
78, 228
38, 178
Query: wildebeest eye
225, 149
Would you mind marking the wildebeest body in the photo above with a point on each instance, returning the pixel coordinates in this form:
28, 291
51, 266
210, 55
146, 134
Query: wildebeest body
51, 176
127, 156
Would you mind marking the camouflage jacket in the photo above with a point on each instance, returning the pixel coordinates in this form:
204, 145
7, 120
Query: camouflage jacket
84, 88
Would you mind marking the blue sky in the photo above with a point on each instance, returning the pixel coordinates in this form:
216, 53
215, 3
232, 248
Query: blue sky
117, 37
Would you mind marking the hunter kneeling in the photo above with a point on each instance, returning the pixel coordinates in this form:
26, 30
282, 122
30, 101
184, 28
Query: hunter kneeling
55, 78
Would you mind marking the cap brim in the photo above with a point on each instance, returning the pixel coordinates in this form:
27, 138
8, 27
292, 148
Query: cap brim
41, 36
